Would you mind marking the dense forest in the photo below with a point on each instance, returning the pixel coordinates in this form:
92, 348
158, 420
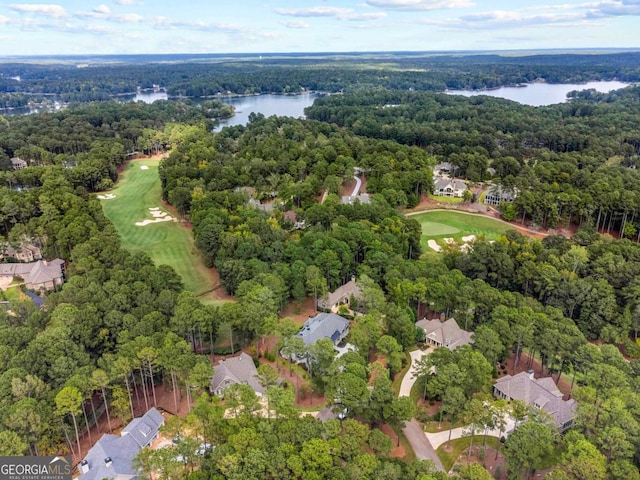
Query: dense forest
569, 163
121, 326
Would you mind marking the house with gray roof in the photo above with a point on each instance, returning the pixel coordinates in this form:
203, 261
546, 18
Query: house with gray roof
240, 369
539, 393
447, 187
40, 275
444, 334
112, 456
341, 296
18, 164
324, 325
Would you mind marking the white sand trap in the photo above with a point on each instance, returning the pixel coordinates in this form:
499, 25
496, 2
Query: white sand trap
5, 282
469, 238
158, 214
466, 247
144, 167
108, 196
167, 218
448, 240
434, 246
154, 208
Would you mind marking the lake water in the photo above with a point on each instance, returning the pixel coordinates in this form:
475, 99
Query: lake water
538, 94
268, 104
281, 105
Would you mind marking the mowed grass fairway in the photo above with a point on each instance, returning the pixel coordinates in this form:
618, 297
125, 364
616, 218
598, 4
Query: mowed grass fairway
166, 242
449, 224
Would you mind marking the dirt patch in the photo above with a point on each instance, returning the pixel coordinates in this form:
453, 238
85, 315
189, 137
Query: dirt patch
398, 450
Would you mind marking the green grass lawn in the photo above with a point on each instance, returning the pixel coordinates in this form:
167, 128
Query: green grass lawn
167, 243
448, 224
12, 293
445, 199
459, 445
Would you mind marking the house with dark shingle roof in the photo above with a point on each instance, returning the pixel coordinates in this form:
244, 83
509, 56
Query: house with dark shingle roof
112, 456
324, 325
341, 296
539, 393
229, 371
444, 334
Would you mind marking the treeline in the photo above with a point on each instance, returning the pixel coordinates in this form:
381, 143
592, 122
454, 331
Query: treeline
574, 162
291, 164
89, 142
293, 75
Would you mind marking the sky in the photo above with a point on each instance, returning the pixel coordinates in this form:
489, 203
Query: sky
254, 26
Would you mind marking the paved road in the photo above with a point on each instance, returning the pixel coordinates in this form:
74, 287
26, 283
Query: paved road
409, 380
356, 189
420, 443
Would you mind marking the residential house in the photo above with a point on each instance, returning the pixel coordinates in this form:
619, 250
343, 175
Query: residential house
444, 168
539, 393
18, 163
447, 187
112, 456
351, 199
40, 275
240, 369
444, 334
339, 297
27, 252
497, 195
324, 325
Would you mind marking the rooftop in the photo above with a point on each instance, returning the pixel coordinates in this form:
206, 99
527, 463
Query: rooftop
323, 325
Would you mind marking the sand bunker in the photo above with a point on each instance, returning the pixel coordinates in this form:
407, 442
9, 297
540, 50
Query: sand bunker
448, 241
434, 246
144, 167
108, 196
469, 238
158, 216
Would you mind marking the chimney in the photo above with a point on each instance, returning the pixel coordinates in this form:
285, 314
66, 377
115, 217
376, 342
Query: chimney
45, 263
530, 372
84, 467
442, 317
107, 462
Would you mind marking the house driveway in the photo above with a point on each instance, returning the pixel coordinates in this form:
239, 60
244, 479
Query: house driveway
437, 439
420, 443
409, 380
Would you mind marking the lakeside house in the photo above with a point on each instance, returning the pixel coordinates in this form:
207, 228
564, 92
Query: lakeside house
112, 456
444, 333
539, 393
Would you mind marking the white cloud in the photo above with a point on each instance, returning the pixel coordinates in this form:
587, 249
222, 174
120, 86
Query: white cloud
419, 4
48, 10
296, 24
103, 9
4, 19
616, 8
512, 19
165, 23
124, 2
340, 13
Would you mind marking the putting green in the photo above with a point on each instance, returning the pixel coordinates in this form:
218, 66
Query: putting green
168, 242
431, 229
